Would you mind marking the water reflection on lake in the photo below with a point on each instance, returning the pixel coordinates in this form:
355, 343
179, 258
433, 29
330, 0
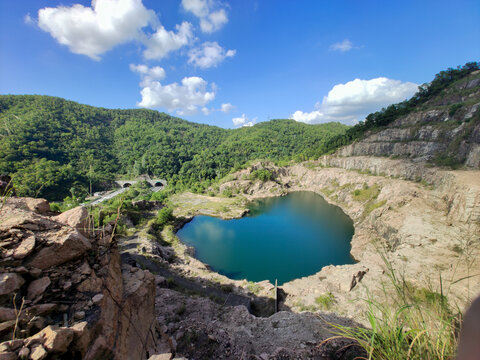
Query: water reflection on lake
282, 238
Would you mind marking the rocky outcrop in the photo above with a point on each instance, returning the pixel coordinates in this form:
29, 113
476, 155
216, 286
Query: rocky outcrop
77, 218
423, 135
198, 328
385, 167
445, 130
64, 292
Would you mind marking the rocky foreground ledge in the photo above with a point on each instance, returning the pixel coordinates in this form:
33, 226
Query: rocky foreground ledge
64, 293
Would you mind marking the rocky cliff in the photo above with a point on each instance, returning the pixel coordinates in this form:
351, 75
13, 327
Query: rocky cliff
64, 293
445, 130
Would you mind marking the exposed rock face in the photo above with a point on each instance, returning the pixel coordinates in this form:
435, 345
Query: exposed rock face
422, 135
447, 128
64, 246
38, 287
9, 283
198, 328
76, 218
39, 206
25, 248
78, 300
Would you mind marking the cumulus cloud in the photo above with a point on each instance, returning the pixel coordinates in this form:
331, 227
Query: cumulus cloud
243, 121
162, 41
199, 8
227, 107
185, 97
214, 21
147, 74
94, 30
209, 54
343, 46
351, 102
212, 18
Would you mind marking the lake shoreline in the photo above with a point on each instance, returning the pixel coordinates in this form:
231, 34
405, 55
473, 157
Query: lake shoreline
265, 243
385, 222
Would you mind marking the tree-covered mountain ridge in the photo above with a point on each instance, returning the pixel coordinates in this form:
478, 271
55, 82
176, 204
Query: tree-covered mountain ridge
53, 147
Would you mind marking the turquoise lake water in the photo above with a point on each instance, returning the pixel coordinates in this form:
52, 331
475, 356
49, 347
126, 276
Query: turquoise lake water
282, 238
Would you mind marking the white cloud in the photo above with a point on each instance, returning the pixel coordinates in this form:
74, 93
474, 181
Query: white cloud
188, 110
214, 21
199, 8
343, 46
351, 102
206, 111
243, 121
209, 54
227, 107
147, 74
162, 41
27, 19
224, 108
185, 97
240, 120
94, 30
308, 117
210, 19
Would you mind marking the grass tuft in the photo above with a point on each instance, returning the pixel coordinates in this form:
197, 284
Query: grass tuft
417, 323
325, 301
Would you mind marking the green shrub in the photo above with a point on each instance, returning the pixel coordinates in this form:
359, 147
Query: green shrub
161, 195
228, 288
453, 109
261, 174
447, 160
366, 193
374, 205
253, 287
325, 301
227, 193
165, 216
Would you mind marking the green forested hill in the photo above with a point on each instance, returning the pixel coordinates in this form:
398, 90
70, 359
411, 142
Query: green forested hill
52, 147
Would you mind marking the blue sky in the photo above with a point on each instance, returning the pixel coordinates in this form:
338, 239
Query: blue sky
234, 63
